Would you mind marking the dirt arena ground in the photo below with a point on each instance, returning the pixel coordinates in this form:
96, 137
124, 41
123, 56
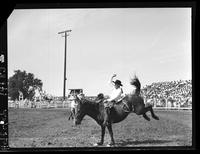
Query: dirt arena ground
51, 128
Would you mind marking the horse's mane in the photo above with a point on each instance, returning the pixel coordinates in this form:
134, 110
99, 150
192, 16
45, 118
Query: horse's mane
89, 101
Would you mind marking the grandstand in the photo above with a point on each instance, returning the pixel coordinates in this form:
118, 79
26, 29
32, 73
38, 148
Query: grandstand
169, 94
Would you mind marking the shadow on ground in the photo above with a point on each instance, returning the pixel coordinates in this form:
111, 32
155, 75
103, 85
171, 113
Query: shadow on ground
131, 142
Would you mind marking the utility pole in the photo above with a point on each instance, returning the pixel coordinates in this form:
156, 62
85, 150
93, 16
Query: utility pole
65, 35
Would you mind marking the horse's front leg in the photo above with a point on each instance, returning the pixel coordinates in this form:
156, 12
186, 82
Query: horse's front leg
111, 135
102, 136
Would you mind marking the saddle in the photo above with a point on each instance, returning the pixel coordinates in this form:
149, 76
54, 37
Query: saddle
101, 99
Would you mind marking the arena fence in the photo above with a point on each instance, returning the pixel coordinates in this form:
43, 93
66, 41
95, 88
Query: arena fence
173, 108
41, 104
66, 104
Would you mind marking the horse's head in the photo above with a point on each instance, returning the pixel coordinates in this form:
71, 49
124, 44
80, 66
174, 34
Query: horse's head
80, 109
100, 96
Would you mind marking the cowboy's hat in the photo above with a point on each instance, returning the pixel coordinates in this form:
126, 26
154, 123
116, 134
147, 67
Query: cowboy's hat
118, 82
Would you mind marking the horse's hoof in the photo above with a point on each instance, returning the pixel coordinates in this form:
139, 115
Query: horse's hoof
98, 144
147, 118
155, 117
110, 145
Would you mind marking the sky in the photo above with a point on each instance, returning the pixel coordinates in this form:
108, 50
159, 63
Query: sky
153, 43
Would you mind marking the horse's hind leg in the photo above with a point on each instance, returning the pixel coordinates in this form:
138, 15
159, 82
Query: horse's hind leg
141, 110
149, 108
153, 114
146, 117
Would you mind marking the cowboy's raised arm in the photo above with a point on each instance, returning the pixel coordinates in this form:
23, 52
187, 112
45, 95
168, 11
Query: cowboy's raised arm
111, 80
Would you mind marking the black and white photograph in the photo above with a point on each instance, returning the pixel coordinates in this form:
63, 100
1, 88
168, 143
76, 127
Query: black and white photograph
100, 77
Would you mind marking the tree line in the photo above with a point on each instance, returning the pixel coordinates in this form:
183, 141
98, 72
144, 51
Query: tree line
25, 82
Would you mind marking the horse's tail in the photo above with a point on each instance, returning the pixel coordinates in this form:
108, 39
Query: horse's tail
135, 82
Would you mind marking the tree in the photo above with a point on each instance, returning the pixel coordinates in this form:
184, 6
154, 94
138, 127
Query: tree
24, 82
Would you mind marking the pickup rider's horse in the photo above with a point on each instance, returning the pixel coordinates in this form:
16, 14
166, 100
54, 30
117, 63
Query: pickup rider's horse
95, 109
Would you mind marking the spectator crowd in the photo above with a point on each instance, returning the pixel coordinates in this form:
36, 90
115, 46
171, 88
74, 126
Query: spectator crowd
169, 93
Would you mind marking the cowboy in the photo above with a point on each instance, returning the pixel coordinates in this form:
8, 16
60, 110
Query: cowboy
115, 96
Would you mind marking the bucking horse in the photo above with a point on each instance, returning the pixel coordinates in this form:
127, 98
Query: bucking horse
131, 103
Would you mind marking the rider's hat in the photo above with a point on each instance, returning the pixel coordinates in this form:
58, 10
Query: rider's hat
118, 82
